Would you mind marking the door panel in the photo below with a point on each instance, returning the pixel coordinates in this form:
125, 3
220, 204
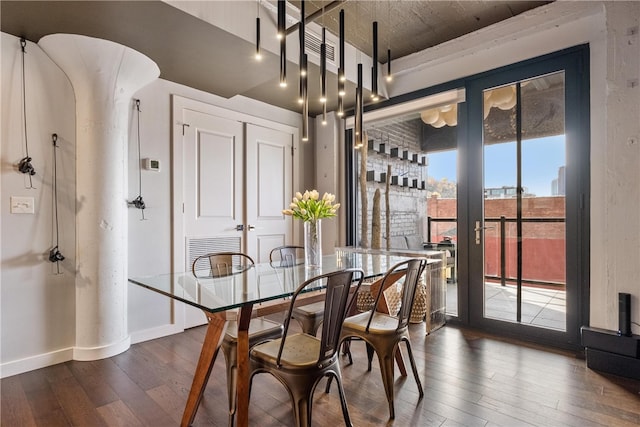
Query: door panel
524, 214
213, 172
213, 177
269, 189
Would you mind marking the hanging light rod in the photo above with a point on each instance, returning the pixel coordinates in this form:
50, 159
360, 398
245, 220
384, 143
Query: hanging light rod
317, 14
283, 41
374, 68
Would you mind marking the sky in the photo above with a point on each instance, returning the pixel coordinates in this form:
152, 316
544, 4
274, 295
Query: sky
541, 159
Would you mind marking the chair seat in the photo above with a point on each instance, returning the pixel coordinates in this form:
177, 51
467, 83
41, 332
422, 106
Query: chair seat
301, 351
310, 317
260, 329
381, 324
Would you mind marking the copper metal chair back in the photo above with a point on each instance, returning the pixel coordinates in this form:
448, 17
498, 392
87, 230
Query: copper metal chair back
286, 256
221, 264
337, 292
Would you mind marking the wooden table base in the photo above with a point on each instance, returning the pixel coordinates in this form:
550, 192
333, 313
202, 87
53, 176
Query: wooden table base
215, 333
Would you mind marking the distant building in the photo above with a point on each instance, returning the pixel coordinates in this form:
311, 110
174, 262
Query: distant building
505, 192
558, 185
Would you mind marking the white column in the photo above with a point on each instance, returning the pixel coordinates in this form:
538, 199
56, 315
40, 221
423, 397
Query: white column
104, 75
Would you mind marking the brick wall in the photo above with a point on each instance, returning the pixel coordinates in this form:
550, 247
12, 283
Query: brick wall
408, 205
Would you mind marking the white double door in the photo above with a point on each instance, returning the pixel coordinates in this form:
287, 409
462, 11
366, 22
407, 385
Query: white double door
236, 179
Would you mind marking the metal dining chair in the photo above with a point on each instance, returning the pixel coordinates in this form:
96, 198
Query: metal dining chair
300, 361
260, 329
309, 316
382, 332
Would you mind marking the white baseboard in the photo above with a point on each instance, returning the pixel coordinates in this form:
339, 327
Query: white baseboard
102, 352
32, 363
157, 332
35, 362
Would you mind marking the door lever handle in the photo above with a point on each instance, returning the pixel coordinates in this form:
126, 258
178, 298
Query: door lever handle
240, 227
478, 229
251, 227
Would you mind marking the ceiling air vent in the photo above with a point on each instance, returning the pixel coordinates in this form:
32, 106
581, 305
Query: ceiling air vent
312, 44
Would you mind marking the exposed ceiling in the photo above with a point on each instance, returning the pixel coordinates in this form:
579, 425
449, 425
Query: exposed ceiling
188, 50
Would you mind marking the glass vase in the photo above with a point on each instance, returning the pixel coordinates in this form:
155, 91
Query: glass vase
313, 244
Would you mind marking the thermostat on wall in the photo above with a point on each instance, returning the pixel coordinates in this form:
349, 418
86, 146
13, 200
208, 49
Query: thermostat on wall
152, 165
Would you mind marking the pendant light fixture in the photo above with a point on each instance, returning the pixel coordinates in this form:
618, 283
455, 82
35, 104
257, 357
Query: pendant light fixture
341, 76
374, 68
302, 40
54, 254
305, 102
389, 75
258, 52
359, 140
282, 36
303, 71
323, 67
323, 75
138, 202
25, 166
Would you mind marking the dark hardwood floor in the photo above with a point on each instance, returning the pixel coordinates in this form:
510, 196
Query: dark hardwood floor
469, 379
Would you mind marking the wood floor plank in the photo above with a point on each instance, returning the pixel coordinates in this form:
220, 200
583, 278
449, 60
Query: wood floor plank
44, 405
75, 403
89, 375
128, 391
15, 408
173, 404
138, 369
117, 414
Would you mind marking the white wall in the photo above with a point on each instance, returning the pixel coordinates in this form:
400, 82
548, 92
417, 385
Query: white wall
37, 325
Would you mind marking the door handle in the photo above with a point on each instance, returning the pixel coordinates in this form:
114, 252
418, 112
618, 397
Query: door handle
241, 227
478, 229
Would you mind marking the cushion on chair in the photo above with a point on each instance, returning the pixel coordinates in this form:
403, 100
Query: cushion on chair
381, 323
300, 350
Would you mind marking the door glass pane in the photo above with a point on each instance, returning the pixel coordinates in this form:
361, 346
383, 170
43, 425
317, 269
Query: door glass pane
442, 205
525, 282
412, 160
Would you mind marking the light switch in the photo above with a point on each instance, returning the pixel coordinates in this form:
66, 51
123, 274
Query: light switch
22, 205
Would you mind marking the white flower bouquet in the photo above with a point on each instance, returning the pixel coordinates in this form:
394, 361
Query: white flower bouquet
310, 207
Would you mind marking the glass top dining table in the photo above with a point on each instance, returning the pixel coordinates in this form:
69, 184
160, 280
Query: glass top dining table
244, 289
259, 283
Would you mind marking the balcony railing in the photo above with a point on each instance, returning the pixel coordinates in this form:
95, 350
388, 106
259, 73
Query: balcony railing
543, 261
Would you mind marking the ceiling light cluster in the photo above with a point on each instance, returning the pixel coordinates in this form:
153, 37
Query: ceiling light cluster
303, 66
503, 98
440, 116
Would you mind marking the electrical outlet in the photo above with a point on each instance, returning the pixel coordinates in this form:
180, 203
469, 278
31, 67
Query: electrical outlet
22, 205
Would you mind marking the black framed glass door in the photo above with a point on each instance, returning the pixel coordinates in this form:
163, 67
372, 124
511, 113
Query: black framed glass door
526, 170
